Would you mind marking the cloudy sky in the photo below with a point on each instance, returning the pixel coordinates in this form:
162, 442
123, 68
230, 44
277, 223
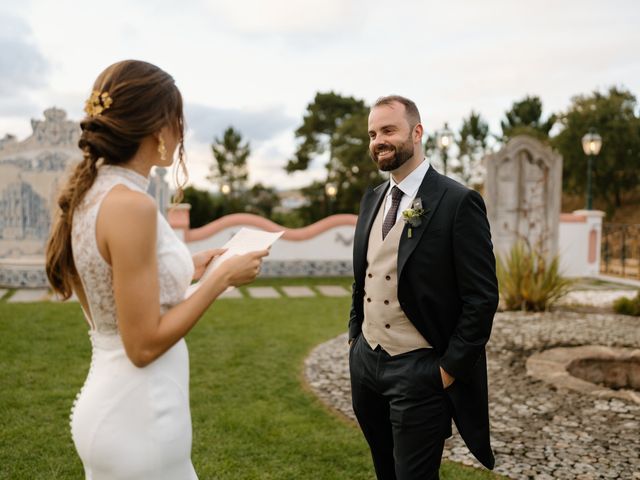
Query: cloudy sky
256, 64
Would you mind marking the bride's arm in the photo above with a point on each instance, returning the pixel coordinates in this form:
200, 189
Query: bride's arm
128, 220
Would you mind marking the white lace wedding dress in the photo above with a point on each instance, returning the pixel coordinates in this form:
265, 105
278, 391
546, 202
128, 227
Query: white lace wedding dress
130, 423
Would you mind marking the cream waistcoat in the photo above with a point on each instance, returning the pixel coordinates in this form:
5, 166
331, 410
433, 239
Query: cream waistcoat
385, 323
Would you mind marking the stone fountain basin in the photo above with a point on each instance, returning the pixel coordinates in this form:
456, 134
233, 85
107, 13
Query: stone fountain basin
612, 373
595, 370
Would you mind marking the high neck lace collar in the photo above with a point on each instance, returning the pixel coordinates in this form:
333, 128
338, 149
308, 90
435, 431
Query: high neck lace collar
131, 175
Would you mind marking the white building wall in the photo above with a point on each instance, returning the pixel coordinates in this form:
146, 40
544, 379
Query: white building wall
580, 237
333, 244
331, 250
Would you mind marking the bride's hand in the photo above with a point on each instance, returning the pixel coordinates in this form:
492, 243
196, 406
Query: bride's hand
202, 259
243, 269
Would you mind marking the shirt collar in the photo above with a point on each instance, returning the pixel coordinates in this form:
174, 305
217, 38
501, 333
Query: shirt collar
412, 182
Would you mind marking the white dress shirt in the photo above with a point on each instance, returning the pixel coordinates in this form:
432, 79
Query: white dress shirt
409, 187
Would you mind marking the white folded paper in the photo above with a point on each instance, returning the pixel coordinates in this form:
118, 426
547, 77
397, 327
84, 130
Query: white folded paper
245, 241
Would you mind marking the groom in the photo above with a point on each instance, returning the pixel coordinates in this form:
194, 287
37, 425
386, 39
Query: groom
424, 297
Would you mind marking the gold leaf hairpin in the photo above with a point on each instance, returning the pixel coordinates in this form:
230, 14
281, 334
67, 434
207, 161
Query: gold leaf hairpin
97, 103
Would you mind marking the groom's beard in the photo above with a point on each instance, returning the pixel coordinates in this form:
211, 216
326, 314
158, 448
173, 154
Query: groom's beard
403, 153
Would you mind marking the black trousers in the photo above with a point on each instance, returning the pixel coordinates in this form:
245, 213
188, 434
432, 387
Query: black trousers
402, 409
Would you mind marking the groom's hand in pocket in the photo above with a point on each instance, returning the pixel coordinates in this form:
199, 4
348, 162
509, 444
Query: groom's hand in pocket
447, 380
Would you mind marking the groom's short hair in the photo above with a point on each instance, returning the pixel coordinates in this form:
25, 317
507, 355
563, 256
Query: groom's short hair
412, 113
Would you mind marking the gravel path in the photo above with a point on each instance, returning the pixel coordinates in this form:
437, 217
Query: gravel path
595, 298
538, 432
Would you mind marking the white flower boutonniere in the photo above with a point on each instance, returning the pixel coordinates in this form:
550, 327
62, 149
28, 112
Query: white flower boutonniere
413, 215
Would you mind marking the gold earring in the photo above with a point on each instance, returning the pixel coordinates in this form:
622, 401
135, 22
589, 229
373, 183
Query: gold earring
162, 150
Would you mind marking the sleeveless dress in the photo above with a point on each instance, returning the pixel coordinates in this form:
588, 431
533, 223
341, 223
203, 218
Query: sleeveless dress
130, 423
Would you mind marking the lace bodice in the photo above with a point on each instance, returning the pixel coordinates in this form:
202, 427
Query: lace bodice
175, 266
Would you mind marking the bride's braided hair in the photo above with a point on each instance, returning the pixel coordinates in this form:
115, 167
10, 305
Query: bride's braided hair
130, 100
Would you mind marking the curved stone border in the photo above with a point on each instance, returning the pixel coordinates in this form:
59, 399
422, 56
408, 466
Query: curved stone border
538, 431
551, 366
249, 219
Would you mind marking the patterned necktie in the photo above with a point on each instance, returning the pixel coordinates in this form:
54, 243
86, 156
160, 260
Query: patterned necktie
390, 219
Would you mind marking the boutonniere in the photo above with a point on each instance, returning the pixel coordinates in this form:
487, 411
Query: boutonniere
413, 215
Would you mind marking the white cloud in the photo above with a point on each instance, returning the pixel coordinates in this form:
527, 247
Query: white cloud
23, 68
287, 16
266, 164
254, 125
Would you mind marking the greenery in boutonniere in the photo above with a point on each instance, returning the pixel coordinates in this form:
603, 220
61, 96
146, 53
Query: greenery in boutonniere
413, 215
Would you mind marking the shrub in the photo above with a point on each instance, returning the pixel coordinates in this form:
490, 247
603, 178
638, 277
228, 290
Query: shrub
528, 281
628, 306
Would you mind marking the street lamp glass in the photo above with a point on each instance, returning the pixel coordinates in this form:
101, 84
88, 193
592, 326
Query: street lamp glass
331, 190
445, 137
591, 143
225, 189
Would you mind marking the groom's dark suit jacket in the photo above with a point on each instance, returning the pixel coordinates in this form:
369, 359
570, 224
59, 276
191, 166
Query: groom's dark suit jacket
447, 287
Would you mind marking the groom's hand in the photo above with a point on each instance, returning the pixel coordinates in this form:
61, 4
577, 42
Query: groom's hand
447, 379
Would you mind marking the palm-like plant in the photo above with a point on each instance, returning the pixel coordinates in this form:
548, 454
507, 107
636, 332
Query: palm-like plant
528, 281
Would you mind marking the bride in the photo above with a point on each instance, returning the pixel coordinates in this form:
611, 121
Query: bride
110, 246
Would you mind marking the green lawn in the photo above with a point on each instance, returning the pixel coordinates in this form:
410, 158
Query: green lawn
252, 417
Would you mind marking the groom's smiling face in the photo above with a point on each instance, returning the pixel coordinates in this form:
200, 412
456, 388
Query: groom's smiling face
390, 136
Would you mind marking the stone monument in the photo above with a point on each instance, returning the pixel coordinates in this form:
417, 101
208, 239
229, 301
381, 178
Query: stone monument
523, 193
31, 173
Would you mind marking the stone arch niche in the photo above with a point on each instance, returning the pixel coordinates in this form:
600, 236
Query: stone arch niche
523, 194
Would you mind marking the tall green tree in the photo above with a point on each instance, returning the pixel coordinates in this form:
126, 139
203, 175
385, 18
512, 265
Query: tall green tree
525, 118
319, 124
336, 125
262, 200
317, 205
230, 155
353, 169
472, 146
616, 170
205, 207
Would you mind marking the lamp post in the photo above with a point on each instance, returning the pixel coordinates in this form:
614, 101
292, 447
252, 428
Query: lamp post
445, 139
591, 144
225, 189
331, 191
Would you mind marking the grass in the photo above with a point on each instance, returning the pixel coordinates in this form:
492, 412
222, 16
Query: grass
252, 416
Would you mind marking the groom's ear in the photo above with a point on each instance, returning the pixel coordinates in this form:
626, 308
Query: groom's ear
418, 131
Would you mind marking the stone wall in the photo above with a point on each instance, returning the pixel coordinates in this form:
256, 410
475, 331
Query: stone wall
31, 174
323, 249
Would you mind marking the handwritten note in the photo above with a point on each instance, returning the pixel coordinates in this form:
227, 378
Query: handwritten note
245, 241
